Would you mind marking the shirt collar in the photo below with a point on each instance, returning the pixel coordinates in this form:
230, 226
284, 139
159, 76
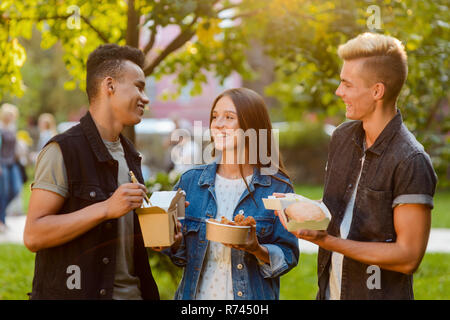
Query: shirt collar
96, 143
208, 176
383, 139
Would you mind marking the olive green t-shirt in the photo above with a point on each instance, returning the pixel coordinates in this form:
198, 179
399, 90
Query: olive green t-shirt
51, 174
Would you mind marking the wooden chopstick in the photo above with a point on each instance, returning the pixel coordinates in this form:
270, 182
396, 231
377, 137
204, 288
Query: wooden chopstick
134, 180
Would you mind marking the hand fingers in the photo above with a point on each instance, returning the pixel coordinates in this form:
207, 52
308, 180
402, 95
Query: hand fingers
158, 249
178, 236
186, 204
252, 231
279, 195
135, 199
310, 234
229, 245
134, 192
133, 186
282, 218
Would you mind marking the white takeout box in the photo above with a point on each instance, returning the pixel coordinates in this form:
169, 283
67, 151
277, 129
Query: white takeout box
158, 221
280, 204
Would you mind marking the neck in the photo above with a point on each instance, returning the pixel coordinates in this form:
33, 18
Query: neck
231, 171
107, 126
376, 122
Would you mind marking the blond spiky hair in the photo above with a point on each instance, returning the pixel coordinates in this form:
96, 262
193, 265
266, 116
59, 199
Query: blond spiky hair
386, 60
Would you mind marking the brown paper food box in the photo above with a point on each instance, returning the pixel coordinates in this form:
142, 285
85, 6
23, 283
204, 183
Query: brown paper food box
218, 232
159, 221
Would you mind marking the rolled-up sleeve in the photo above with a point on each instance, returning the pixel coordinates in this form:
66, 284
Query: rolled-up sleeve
277, 263
415, 181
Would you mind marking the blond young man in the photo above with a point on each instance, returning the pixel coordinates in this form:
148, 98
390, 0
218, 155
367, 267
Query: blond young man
379, 182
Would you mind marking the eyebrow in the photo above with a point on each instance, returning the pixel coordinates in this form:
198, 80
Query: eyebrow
140, 83
214, 111
345, 80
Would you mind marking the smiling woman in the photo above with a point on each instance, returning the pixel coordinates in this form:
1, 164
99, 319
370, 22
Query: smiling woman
230, 187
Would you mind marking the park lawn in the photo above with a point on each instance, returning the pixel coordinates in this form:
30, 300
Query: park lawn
432, 280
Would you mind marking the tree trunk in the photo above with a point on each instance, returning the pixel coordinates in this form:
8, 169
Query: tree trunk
132, 39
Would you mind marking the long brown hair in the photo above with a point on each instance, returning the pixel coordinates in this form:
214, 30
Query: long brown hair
252, 114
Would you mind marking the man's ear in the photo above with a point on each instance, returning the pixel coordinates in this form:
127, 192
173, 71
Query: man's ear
378, 91
108, 85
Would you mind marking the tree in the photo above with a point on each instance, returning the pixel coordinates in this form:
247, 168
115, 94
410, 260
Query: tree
80, 26
44, 76
302, 37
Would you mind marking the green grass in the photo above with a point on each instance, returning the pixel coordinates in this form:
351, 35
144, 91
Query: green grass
432, 280
16, 271
441, 212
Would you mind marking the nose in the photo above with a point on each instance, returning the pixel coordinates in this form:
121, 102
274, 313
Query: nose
339, 91
218, 123
144, 98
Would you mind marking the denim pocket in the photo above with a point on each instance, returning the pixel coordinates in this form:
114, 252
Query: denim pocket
264, 227
373, 215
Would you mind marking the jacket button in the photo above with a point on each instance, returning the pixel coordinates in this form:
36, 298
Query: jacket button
240, 294
105, 260
240, 266
103, 292
241, 211
92, 194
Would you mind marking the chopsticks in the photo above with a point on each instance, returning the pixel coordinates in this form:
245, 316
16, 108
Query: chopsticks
134, 180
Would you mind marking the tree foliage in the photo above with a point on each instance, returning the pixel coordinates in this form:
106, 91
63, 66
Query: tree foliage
81, 25
302, 37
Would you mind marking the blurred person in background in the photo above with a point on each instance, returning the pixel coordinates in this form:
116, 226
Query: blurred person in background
186, 153
47, 129
23, 160
10, 174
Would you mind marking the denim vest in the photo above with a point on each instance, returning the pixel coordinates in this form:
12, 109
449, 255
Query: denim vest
92, 177
395, 165
250, 282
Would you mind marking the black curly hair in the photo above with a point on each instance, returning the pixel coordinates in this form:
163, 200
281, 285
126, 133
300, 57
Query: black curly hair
107, 60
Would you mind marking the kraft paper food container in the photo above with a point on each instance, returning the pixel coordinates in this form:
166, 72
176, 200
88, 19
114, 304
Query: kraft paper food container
158, 221
280, 204
223, 233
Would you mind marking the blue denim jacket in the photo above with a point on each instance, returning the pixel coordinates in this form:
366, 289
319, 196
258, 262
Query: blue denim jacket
253, 280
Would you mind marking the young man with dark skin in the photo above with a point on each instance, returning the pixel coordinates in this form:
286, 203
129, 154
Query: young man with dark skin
379, 182
81, 222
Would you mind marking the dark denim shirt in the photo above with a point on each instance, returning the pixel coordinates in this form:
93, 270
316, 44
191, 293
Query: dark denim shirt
251, 279
396, 170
